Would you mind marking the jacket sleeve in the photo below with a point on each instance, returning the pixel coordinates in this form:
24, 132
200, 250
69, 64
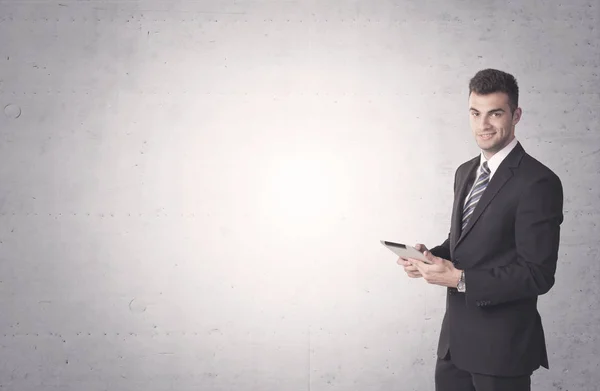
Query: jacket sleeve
537, 236
443, 250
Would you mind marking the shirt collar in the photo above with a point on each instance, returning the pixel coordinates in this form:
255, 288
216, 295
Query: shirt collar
498, 157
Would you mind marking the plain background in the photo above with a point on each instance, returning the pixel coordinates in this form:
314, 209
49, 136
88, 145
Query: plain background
192, 193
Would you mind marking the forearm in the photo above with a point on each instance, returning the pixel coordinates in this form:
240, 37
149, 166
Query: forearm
443, 250
517, 281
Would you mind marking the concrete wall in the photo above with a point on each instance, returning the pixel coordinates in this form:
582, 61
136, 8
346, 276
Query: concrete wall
192, 193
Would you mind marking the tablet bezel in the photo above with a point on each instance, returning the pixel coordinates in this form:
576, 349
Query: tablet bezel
404, 251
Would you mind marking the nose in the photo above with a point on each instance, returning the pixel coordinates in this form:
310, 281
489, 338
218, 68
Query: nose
485, 122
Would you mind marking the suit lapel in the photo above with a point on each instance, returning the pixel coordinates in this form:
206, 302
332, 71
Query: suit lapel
463, 188
501, 176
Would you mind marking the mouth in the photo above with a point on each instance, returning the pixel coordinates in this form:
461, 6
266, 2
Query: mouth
486, 136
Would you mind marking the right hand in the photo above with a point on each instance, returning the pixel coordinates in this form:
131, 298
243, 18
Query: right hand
411, 270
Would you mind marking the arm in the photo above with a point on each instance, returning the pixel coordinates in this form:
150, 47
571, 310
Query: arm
443, 250
537, 236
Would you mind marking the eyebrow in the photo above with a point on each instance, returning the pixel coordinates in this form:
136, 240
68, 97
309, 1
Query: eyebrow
489, 112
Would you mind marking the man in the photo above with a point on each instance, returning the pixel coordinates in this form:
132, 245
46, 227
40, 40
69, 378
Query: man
501, 252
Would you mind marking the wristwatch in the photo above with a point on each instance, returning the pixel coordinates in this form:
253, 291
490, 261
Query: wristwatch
461, 283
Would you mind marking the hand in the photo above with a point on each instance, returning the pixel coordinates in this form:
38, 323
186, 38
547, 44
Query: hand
411, 270
441, 271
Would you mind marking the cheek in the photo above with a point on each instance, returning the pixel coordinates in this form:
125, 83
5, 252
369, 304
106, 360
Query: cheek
501, 126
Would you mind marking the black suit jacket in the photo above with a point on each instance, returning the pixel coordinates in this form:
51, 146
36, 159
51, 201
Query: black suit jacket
508, 251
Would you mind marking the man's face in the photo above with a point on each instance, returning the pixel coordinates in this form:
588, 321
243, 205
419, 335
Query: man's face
492, 122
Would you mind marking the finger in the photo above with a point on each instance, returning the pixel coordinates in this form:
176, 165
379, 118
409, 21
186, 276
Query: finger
420, 247
403, 261
419, 264
419, 270
431, 258
414, 275
411, 269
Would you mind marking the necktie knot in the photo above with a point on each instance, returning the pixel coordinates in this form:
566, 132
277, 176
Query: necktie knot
485, 169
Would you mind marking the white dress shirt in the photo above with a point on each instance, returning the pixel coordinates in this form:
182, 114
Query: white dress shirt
493, 163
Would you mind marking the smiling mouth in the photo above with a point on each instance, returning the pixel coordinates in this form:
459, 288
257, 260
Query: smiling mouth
486, 136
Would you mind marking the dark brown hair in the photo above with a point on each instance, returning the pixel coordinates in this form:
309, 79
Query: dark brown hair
488, 81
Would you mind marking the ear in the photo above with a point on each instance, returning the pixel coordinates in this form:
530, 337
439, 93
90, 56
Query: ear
517, 116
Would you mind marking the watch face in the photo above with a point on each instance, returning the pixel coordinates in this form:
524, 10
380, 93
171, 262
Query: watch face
461, 286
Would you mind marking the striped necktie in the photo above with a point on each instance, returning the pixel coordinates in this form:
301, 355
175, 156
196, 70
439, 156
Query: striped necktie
476, 192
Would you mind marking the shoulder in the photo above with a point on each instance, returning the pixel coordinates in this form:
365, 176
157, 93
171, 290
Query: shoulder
468, 165
538, 183
535, 171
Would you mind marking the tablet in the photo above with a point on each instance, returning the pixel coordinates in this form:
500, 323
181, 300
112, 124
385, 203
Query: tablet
405, 251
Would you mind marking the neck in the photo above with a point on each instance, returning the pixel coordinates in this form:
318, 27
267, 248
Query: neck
489, 154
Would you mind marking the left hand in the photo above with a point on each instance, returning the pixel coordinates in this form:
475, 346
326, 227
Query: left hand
441, 271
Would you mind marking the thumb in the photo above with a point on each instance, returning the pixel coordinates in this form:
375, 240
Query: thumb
431, 257
421, 247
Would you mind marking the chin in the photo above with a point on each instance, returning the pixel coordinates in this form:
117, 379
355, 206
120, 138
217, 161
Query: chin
488, 148
485, 145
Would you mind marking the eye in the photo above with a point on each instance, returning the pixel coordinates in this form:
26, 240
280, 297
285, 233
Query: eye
474, 114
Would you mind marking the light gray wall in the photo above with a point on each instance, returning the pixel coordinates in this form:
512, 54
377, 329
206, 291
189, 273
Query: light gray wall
192, 193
